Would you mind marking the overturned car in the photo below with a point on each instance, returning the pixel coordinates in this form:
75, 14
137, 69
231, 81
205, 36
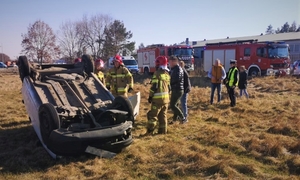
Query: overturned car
72, 112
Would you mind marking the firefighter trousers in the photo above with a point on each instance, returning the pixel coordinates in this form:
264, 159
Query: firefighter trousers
157, 115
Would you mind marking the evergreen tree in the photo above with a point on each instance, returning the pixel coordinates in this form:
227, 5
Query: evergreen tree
270, 30
293, 27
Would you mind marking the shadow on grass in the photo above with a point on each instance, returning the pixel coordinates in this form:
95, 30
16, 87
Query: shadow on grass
22, 152
15, 123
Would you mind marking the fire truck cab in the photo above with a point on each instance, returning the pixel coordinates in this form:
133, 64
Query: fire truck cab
147, 56
260, 58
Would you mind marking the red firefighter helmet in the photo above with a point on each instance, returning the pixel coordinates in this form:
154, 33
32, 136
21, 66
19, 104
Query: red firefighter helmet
99, 62
161, 61
77, 60
118, 59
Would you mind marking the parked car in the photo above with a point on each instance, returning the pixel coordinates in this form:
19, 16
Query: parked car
72, 112
2, 65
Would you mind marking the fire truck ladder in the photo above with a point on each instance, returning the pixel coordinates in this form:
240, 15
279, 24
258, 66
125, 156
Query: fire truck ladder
250, 41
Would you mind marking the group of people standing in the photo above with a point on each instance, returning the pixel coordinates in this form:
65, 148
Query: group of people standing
170, 87
165, 82
234, 78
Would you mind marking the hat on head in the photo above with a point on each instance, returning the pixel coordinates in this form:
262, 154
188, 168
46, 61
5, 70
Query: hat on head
232, 61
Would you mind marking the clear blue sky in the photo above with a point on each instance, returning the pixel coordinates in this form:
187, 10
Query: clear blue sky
151, 21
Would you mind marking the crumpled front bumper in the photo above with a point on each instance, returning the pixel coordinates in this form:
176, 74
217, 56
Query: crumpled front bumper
112, 139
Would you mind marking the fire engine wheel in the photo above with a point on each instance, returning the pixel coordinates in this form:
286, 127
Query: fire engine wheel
123, 104
24, 67
147, 71
88, 64
49, 121
253, 72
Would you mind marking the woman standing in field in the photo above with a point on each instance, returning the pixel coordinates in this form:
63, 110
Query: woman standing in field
243, 82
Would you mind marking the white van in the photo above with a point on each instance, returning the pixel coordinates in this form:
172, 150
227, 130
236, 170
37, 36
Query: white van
128, 61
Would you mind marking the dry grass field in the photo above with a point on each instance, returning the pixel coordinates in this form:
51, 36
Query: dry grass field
257, 139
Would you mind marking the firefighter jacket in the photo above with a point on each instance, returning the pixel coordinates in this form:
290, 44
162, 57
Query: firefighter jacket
233, 77
119, 80
100, 75
177, 78
160, 89
219, 74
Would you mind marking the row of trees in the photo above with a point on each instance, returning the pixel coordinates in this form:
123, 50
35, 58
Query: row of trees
285, 28
99, 35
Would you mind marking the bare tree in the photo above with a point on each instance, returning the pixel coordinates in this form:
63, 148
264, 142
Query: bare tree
69, 39
39, 42
91, 33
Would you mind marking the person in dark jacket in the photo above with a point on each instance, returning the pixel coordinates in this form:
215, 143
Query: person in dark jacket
243, 82
232, 82
187, 89
177, 88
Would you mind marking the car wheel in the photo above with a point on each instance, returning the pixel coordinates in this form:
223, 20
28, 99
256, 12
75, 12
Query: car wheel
123, 104
24, 67
49, 121
88, 64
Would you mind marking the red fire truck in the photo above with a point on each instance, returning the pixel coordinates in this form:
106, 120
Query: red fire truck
260, 58
146, 56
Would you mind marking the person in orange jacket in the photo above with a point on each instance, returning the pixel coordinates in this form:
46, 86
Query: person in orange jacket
217, 74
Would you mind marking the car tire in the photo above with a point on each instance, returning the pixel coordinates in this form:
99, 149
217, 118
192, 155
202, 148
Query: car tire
49, 121
123, 104
88, 64
24, 67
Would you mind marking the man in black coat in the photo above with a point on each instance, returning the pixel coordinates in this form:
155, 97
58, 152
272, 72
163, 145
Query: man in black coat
177, 88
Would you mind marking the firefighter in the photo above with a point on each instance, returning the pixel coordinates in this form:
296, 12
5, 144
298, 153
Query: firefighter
159, 97
119, 80
232, 82
99, 67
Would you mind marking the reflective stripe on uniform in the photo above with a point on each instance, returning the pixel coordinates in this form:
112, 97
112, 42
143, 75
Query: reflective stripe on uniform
121, 90
161, 95
154, 81
118, 75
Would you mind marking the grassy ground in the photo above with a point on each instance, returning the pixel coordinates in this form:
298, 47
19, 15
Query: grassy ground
257, 139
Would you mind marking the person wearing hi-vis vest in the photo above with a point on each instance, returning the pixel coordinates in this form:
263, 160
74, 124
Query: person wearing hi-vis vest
232, 82
119, 80
159, 97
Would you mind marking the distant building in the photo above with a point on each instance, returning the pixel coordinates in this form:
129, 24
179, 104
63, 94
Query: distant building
291, 38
